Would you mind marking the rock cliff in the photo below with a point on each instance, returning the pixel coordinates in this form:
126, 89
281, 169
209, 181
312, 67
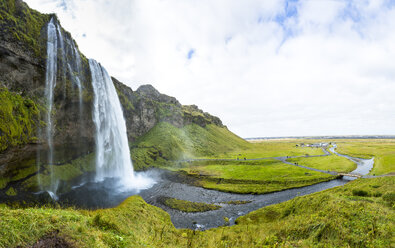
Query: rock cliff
23, 143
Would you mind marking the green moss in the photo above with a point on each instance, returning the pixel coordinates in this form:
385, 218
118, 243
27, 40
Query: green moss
20, 118
63, 172
187, 206
25, 24
126, 104
11, 192
24, 171
3, 182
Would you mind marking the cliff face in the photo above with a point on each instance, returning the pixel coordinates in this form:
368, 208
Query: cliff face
146, 107
24, 108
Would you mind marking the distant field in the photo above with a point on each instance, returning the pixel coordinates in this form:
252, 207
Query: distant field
257, 177
383, 150
269, 148
331, 163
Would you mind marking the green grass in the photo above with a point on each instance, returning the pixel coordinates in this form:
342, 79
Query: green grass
165, 143
257, 177
187, 206
132, 224
237, 202
331, 163
332, 218
269, 148
382, 150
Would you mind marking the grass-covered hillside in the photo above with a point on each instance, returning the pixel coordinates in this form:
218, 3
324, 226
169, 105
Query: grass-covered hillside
359, 214
165, 144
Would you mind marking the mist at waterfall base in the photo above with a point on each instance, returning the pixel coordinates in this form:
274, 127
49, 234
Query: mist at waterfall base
108, 192
114, 178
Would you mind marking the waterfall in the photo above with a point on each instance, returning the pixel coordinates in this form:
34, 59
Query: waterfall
63, 58
113, 160
112, 148
56, 64
50, 83
77, 60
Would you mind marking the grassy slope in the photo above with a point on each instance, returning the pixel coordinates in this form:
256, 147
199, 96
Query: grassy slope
332, 163
332, 218
382, 150
165, 143
256, 177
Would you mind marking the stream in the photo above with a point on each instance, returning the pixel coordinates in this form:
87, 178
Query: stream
103, 195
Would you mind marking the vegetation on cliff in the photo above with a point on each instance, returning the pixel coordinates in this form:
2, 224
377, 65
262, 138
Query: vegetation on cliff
20, 117
22, 25
166, 144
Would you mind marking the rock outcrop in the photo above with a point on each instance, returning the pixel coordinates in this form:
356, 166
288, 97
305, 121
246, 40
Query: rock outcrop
146, 107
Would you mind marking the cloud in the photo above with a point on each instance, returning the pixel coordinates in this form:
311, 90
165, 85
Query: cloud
267, 68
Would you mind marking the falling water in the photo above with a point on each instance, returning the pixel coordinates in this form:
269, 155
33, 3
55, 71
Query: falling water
77, 60
50, 83
63, 58
112, 148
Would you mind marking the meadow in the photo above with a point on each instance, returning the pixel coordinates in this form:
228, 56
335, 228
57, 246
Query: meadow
331, 163
253, 177
268, 148
338, 217
383, 150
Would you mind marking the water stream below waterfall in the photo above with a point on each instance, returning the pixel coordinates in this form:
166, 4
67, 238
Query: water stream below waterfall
105, 194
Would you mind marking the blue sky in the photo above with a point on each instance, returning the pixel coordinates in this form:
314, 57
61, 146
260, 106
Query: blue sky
266, 68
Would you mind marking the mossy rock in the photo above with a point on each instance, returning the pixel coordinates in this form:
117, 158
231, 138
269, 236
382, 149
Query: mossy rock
11, 192
20, 118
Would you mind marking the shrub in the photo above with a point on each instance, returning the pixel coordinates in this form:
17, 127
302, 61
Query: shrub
389, 197
359, 192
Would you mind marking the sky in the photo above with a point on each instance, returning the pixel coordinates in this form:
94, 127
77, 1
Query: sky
267, 68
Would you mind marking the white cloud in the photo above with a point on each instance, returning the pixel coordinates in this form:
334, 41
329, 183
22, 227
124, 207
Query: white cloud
262, 67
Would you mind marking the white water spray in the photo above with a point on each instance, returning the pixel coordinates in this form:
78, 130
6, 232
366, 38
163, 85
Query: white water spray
112, 148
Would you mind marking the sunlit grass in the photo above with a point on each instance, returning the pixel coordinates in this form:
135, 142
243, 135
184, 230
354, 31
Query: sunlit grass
332, 218
256, 177
331, 163
383, 150
269, 148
